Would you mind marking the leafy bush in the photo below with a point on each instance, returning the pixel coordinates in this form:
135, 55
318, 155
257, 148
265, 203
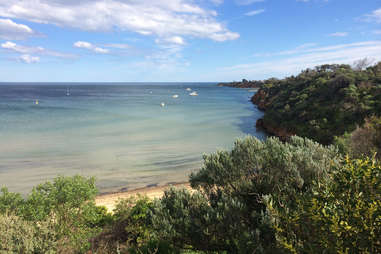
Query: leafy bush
228, 212
67, 204
21, 236
341, 215
131, 226
10, 202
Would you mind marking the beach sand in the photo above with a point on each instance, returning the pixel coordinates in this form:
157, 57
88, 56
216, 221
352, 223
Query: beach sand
109, 200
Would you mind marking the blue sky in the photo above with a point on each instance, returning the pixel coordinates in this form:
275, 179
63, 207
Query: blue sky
181, 40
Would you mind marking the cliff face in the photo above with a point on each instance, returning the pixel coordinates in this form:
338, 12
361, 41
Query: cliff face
260, 99
277, 131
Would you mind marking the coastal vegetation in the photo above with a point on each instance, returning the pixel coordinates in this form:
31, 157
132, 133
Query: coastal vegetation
243, 84
261, 197
327, 103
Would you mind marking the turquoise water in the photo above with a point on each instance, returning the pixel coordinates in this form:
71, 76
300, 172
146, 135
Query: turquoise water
118, 133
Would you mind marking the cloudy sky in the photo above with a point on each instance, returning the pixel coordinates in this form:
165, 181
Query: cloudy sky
181, 40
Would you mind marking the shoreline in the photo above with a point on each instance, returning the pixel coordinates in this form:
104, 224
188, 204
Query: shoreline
110, 199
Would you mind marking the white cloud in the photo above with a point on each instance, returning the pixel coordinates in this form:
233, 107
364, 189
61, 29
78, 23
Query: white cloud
83, 44
299, 49
29, 59
374, 16
10, 30
89, 46
339, 34
21, 49
248, 2
117, 45
162, 18
171, 40
254, 12
27, 50
297, 60
101, 50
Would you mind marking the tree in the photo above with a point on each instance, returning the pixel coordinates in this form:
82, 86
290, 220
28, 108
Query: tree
362, 63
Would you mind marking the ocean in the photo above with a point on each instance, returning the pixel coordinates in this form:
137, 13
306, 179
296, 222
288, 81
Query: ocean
126, 135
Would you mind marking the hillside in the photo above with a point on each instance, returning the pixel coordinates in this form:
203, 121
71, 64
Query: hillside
243, 84
320, 103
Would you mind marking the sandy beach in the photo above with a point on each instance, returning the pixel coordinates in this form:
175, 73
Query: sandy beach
109, 200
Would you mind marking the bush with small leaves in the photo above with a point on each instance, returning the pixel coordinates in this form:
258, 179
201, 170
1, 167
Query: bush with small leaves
228, 212
341, 215
20, 236
68, 204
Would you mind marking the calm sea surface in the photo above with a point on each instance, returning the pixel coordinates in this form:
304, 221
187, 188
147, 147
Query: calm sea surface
118, 133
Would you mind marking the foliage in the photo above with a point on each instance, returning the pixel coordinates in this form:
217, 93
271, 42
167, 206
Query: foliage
154, 247
131, 226
228, 213
10, 202
20, 236
134, 214
364, 141
342, 215
67, 204
321, 103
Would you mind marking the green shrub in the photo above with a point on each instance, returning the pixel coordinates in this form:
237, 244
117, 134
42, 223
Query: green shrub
68, 204
131, 227
228, 212
10, 202
134, 213
341, 215
21, 236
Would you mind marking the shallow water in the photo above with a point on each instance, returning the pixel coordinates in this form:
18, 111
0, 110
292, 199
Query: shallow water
118, 133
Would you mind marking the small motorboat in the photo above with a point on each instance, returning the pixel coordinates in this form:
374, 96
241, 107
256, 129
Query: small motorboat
193, 93
162, 104
36, 102
188, 89
68, 92
175, 96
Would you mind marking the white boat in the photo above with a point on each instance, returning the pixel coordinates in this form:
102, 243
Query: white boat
188, 89
175, 96
68, 92
36, 102
193, 93
162, 104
